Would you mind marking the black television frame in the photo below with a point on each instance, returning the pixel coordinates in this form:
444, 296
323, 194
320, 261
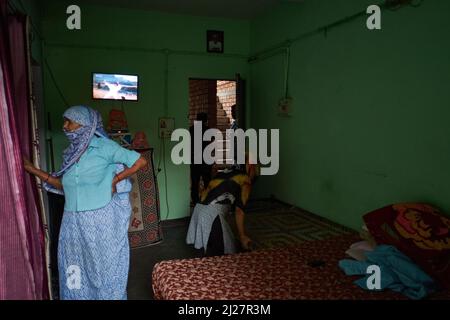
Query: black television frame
110, 73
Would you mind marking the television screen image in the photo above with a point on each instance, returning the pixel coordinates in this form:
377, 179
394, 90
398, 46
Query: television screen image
115, 86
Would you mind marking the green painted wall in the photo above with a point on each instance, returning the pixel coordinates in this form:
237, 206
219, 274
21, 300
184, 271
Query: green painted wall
121, 41
371, 108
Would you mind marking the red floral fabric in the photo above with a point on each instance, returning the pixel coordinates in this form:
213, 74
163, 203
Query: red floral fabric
418, 230
278, 273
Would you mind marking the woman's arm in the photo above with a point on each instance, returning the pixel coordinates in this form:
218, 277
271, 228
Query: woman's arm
44, 176
243, 238
138, 165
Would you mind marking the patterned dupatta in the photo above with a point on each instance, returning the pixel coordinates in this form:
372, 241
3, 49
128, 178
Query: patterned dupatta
80, 139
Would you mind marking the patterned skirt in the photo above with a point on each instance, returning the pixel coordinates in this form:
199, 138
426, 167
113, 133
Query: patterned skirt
94, 253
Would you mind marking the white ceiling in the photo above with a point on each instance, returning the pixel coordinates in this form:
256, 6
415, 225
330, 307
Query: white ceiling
240, 9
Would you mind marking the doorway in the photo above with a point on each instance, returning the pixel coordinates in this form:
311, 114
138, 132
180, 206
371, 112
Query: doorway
214, 98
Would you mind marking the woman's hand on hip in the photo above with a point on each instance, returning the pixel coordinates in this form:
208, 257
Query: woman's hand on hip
115, 181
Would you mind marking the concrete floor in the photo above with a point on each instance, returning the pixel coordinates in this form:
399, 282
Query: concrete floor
142, 261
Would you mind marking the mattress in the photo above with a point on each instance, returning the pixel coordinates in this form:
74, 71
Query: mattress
304, 271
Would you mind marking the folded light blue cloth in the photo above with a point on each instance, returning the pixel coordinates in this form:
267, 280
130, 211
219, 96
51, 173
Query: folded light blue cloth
397, 272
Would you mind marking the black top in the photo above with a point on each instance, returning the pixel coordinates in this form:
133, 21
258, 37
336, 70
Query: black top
235, 183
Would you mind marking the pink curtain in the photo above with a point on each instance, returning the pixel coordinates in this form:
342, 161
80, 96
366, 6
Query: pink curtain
22, 259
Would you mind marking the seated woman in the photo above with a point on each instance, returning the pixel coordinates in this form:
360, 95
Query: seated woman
227, 192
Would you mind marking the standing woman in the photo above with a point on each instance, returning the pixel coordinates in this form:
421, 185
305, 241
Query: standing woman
93, 249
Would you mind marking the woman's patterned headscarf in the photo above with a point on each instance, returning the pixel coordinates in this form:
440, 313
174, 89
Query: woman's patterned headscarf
91, 124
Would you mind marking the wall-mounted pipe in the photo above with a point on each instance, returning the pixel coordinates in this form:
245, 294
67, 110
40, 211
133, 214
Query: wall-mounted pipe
279, 47
148, 50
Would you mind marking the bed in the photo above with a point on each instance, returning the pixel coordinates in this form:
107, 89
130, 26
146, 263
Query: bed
278, 273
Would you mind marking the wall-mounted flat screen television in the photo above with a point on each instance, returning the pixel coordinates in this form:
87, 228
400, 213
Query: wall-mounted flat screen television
108, 86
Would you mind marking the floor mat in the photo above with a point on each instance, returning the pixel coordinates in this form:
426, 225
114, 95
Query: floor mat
274, 224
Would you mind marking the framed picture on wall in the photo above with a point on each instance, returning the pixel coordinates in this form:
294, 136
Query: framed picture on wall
214, 41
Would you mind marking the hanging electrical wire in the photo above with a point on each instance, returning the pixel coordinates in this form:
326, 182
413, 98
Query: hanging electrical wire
52, 76
162, 154
165, 181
